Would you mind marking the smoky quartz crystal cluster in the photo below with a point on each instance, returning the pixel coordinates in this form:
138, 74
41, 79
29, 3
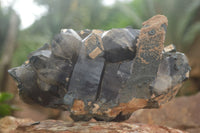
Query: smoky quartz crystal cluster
105, 75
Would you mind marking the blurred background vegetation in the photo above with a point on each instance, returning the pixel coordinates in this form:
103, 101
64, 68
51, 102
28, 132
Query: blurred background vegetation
183, 30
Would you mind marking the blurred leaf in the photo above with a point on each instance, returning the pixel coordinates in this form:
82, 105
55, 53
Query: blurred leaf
5, 97
130, 13
5, 109
185, 20
191, 33
151, 7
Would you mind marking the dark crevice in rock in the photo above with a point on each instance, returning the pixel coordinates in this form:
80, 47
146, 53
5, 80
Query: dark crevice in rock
100, 83
185, 127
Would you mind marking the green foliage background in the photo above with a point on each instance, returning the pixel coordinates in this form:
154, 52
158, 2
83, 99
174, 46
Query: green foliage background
5, 108
184, 24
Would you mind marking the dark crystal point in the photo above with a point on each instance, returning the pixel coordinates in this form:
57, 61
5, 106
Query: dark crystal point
119, 44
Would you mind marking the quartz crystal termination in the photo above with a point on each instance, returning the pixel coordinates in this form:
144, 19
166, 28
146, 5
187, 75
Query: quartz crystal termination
105, 75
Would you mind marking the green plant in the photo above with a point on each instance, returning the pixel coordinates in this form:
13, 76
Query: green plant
5, 108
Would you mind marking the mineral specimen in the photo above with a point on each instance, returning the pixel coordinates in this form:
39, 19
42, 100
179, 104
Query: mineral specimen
105, 75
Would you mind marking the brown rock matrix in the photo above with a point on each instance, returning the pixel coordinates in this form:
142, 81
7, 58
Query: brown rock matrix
14, 125
181, 113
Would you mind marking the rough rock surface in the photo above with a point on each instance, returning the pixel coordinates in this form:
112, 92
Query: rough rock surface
14, 125
181, 113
